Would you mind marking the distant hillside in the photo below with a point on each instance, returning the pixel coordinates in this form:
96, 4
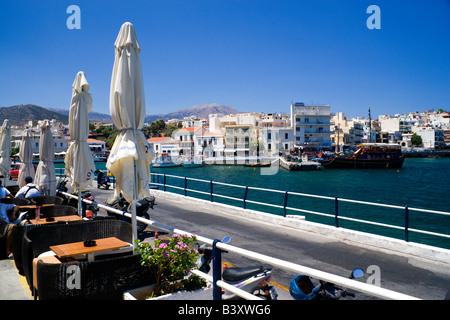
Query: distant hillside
93, 116
20, 114
201, 111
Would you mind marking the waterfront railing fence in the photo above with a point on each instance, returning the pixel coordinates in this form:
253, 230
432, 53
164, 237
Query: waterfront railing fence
401, 222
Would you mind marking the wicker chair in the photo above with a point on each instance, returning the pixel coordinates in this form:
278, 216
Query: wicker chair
58, 210
46, 200
38, 240
19, 230
99, 280
13, 189
16, 201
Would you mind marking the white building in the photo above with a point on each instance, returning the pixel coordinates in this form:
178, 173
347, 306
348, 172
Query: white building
431, 137
311, 124
277, 140
163, 145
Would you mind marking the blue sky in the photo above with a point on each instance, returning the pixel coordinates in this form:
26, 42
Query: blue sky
252, 55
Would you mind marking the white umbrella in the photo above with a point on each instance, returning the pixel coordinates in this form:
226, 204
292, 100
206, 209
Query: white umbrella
130, 159
79, 163
45, 177
26, 156
5, 149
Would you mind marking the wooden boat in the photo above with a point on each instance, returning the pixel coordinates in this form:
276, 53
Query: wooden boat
257, 165
369, 156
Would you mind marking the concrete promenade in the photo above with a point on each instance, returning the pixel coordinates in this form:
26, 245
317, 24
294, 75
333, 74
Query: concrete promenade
412, 269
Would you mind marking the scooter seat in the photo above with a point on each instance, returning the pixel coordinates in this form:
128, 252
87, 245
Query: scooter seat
237, 274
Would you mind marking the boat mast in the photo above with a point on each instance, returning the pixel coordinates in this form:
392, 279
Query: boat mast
370, 127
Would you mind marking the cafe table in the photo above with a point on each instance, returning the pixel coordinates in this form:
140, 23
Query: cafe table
68, 218
70, 250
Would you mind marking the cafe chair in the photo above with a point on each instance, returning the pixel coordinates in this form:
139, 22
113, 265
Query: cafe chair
38, 240
16, 201
13, 189
58, 210
40, 200
105, 279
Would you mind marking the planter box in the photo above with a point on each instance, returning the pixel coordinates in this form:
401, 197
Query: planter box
144, 292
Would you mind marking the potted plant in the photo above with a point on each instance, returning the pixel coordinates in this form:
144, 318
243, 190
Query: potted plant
171, 261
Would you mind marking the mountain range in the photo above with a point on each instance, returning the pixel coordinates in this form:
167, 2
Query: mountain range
20, 114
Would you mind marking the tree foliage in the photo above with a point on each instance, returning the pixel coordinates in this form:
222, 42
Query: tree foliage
416, 140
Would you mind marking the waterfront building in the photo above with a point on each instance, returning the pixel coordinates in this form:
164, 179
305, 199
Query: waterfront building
432, 137
97, 147
345, 131
241, 142
368, 129
164, 145
59, 132
210, 145
277, 140
311, 124
185, 138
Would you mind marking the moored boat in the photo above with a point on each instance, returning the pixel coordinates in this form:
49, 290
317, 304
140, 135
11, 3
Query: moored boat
368, 156
164, 160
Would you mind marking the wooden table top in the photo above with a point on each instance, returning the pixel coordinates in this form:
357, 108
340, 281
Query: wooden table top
69, 218
78, 248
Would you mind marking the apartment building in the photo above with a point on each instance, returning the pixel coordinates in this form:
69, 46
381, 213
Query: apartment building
311, 124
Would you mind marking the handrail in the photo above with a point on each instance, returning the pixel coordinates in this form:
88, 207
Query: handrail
317, 274
337, 217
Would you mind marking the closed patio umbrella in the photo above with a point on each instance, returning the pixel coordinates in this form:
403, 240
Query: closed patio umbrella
130, 159
79, 163
45, 177
26, 156
5, 149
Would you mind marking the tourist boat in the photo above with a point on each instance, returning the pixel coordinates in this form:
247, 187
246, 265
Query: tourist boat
164, 160
370, 155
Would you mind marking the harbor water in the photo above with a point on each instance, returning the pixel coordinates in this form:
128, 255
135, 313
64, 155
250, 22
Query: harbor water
421, 183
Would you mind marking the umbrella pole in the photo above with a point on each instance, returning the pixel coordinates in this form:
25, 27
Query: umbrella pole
133, 208
79, 202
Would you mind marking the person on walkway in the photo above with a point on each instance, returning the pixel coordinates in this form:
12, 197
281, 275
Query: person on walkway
30, 190
8, 219
4, 193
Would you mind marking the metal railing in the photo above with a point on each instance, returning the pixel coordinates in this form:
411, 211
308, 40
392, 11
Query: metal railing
160, 180
218, 247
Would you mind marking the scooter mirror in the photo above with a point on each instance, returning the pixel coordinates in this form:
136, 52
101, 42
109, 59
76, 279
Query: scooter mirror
226, 239
357, 273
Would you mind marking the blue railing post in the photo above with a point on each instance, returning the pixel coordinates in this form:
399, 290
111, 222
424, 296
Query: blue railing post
336, 212
164, 182
211, 191
185, 186
245, 197
285, 203
217, 270
406, 223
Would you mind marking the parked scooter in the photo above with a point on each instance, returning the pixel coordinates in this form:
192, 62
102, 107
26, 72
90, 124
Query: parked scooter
302, 288
253, 279
102, 180
91, 209
142, 207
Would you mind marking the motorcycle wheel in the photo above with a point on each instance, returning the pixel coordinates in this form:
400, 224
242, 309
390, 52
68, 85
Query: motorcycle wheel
142, 226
